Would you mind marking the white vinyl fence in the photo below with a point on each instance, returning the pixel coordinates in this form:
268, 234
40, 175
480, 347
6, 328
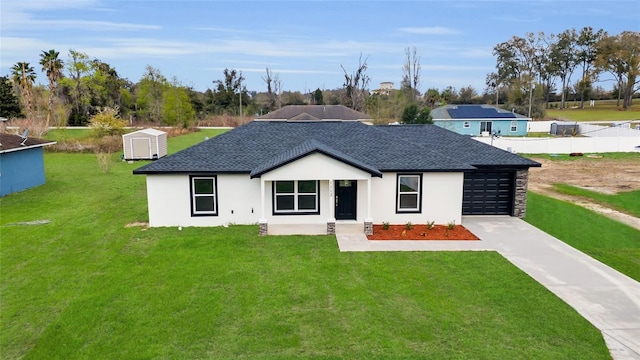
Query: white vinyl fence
594, 139
565, 145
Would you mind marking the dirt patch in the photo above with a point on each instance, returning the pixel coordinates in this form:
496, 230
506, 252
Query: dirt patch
421, 232
142, 225
604, 175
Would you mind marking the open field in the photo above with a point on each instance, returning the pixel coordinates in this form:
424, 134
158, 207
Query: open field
602, 111
613, 173
84, 283
625, 201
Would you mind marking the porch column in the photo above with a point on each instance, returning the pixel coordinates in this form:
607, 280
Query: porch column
368, 220
331, 221
262, 223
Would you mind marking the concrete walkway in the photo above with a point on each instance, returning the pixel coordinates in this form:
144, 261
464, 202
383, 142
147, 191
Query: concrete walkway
608, 299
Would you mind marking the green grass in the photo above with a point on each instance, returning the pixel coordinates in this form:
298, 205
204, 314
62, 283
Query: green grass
609, 241
182, 142
628, 202
86, 286
69, 133
603, 111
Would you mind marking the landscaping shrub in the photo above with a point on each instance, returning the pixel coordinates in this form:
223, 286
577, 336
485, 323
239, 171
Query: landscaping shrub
107, 122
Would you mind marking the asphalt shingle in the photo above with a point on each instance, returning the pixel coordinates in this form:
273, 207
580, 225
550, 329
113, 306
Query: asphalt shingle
258, 146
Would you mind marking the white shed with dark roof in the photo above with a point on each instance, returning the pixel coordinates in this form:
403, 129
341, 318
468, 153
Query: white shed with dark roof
145, 144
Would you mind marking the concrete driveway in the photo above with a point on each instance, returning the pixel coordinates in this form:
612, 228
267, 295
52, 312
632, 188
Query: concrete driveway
605, 297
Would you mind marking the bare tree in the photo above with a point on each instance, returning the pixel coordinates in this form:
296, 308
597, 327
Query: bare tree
271, 96
411, 72
356, 84
277, 89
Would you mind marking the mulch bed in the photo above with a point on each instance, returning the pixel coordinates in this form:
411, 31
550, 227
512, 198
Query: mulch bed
421, 232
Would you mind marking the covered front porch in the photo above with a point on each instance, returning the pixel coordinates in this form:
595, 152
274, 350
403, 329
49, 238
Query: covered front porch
314, 194
342, 205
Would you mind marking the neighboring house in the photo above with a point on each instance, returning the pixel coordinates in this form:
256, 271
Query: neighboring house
480, 120
315, 113
385, 88
21, 163
320, 172
145, 144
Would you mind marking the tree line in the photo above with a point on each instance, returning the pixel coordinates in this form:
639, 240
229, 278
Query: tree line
529, 71
530, 68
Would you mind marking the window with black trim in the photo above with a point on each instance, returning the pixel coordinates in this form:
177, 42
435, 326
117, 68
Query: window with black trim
296, 197
204, 200
466, 124
409, 190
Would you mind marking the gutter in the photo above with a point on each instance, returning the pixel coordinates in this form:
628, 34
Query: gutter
27, 147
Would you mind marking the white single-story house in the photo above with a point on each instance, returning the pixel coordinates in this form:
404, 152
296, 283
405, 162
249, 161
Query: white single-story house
480, 120
322, 172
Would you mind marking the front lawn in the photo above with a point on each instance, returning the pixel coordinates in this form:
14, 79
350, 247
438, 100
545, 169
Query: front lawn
83, 284
609, 241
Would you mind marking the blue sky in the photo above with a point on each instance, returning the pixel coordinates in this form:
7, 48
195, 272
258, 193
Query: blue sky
303, 42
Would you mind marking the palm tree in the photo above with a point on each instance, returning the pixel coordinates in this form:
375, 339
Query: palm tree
25, 76
53, 68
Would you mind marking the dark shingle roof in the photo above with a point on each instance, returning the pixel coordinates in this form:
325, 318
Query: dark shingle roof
462, 147
315, 112
259, 146
9, 143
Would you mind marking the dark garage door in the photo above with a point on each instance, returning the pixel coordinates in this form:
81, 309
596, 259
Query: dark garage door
488, 193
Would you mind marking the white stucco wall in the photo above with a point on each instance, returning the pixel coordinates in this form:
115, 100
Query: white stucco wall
441, 199
316, 167
239, 197
170, 205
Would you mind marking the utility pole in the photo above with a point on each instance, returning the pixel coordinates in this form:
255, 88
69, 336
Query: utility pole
240, 94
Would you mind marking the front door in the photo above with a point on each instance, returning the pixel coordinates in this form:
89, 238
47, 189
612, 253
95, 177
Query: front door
346, 199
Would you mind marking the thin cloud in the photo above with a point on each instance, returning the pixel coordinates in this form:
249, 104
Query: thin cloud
476, 53
94, 25
433, 30
221, 30
278, 71
454, 67
22, 15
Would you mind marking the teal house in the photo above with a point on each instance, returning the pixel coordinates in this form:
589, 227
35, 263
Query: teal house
480, 120
21, 163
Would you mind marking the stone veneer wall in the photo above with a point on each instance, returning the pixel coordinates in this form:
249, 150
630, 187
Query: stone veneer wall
263, 229
520, 201
368, 228
331, 228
